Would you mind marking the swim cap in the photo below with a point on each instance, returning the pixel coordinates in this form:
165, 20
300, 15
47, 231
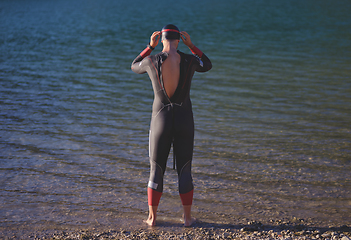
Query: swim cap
170, 32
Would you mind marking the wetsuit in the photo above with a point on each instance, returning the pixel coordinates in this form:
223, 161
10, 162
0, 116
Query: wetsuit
172, 120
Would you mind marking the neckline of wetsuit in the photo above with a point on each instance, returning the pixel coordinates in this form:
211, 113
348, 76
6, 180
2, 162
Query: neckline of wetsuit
180, 82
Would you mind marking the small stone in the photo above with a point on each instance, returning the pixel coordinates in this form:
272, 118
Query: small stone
326, 235
300, 233
345, 238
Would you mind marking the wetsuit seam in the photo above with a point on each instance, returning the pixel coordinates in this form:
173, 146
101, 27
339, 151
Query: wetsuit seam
186, 75
158, 77
159, 167
161, 109
162, 85
180, 173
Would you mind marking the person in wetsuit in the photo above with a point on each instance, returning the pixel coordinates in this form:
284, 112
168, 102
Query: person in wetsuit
171, 72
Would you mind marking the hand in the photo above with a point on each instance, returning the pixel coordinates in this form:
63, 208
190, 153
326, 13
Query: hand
186, 39
155, 38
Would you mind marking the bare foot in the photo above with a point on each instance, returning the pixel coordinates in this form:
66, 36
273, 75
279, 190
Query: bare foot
151, 222
189, 222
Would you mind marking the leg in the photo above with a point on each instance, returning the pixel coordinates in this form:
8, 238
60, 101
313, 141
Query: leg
153, 201
187, 199
154, 191
184, 150
159, 146
188, 220
184, 142
151, 221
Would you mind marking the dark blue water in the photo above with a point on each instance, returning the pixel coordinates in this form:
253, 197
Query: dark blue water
272, 117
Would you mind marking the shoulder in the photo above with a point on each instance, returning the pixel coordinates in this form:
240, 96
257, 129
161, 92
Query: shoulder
157, 57
153, 61
189, 57
185, 55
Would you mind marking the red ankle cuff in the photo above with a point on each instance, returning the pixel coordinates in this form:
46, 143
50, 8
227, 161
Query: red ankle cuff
187, 198
153, 197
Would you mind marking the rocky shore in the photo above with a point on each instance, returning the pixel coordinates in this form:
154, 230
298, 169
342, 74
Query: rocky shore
251, 230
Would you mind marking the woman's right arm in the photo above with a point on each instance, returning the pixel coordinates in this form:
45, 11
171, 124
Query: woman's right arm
205, 63
137, 64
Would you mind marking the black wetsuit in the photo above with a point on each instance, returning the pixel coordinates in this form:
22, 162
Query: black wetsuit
172, 120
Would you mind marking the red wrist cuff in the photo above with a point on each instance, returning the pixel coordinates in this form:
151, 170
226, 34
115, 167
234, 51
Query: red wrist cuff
196, 51
146, 52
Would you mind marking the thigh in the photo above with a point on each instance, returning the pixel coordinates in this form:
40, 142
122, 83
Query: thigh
184, 144
160, 139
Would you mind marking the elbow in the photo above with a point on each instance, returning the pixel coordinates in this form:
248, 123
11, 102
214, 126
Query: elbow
132, 67
209, 66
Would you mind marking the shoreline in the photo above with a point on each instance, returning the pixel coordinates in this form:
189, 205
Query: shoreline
200, 230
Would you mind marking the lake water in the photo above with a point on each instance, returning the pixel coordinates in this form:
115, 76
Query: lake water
273, 133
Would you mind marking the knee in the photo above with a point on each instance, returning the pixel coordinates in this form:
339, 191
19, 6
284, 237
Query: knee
185, 179
156, 177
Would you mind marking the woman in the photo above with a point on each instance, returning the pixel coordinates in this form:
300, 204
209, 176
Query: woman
172, 120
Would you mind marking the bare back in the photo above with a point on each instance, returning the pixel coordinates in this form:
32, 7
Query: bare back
171, 73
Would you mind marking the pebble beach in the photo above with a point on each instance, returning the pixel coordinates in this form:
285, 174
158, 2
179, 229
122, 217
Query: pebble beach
202, 230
